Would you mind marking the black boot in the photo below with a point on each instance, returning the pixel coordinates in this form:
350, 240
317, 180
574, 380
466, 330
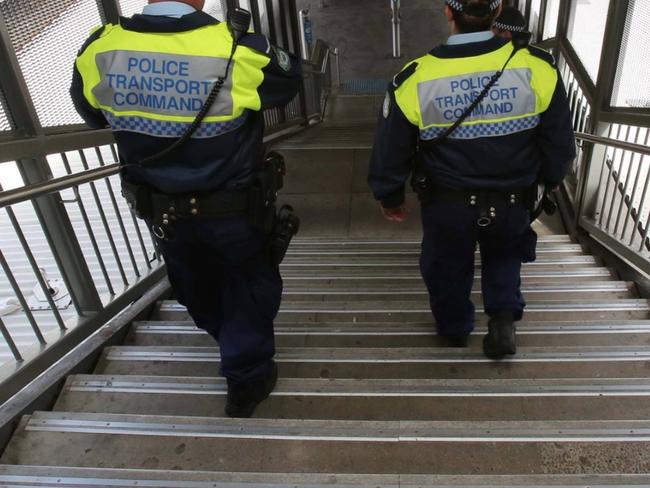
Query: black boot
501, 339
243, 399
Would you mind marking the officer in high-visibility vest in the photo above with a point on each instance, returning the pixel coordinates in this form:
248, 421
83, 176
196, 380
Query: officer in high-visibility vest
477, 137
184, 95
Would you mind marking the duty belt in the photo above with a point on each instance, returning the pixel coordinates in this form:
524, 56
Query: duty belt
485, 201
162, 210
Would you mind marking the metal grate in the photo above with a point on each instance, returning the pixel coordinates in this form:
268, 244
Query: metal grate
364, 87
586, 30
5, 123
132, 7
46, 35
632, 87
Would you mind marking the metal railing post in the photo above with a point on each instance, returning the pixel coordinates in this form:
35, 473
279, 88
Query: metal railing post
53, 218
295, 39
109, 11
593, 159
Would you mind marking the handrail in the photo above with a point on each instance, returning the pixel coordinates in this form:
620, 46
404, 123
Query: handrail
615, 143
19, 195
25, 193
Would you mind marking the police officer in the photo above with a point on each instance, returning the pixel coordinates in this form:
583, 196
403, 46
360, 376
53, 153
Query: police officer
510, 23
148, 78
474, 178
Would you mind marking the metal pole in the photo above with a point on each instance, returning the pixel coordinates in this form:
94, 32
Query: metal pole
396, 21
613, 37
295, 37
110, 11
255, 13
270, 16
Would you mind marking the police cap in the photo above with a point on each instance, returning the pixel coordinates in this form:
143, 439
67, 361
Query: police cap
511, 20
474, 8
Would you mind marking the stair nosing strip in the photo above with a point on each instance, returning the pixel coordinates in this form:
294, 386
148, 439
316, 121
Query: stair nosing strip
384, 356
342, 431
355, 388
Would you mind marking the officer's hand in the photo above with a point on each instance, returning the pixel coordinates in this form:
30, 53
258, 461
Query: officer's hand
397, 214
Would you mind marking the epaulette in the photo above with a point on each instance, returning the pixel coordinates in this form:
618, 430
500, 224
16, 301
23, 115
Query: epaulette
404, 75
258, 42
542, 54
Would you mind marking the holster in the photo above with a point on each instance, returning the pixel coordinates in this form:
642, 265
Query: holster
264, 193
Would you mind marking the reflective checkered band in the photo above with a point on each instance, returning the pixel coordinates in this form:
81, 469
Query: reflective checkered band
490, 129
510, 28
167, 128
458, 5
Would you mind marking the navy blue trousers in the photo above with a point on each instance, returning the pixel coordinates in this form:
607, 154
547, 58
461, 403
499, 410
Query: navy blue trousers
219, 272
451, 234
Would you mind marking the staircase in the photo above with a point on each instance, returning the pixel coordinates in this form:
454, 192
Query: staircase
367, 397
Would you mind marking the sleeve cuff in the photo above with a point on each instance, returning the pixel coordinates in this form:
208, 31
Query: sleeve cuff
393, 201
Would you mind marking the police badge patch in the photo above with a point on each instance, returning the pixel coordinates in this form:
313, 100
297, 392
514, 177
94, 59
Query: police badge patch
283, 58
387, 105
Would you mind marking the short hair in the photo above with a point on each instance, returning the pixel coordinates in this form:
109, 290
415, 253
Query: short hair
476, 15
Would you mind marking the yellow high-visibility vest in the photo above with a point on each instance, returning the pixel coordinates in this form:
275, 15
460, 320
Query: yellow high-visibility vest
157, 82
441, 89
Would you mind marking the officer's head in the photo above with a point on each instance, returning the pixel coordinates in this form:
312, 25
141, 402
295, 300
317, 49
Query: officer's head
197, 4
466, 16
510, 22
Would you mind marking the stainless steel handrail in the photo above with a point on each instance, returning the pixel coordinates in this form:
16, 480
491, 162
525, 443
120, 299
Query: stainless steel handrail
615, 143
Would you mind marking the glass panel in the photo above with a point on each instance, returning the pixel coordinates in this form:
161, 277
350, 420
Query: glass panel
586, 30
632, 87
46, 36
533, 22
552, 14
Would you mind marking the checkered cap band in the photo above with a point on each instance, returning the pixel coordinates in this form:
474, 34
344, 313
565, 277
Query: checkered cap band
510, 28
459, 6
167, 128
489, 129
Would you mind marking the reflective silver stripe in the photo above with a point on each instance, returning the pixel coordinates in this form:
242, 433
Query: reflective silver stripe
162, 84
